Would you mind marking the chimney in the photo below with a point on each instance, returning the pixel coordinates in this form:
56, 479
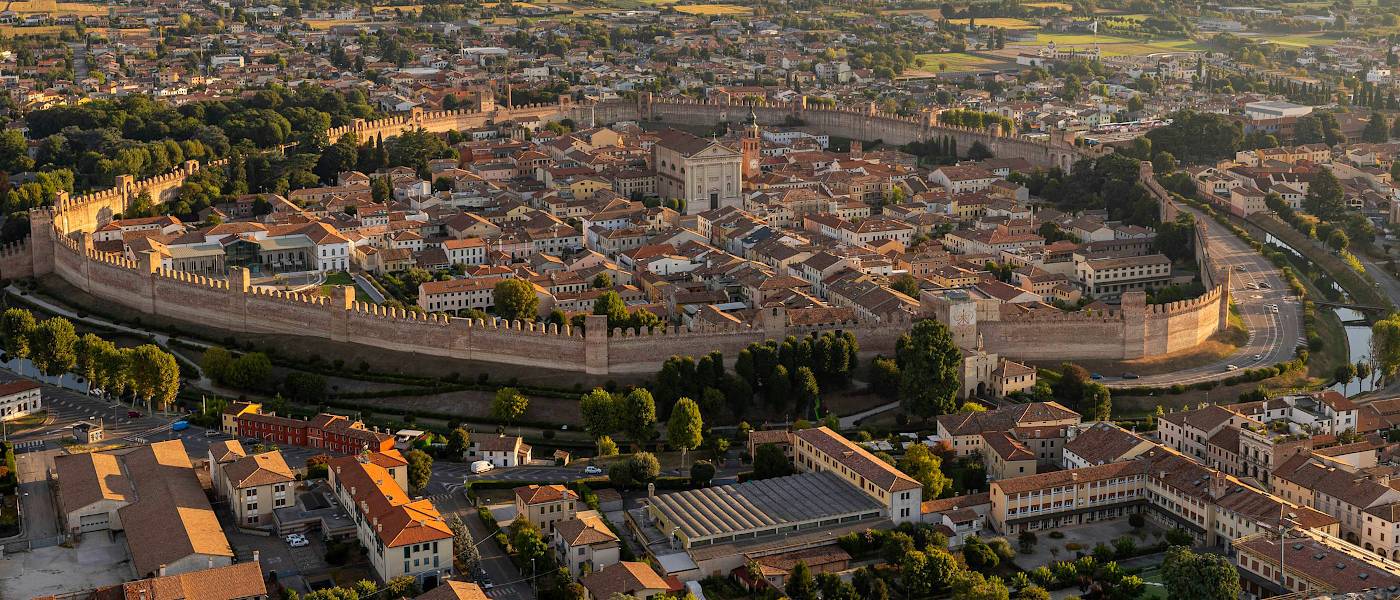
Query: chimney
257, 556
651, 490
210, 563
162, 570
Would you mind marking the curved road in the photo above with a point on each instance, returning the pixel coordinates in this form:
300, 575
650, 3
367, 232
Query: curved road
1272, 336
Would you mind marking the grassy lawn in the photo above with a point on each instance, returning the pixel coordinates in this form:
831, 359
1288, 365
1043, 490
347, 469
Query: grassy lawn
343, 278
714, 9
931, 13
1153, 590
1295, 40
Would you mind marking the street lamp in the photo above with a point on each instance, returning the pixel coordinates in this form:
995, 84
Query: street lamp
533, 591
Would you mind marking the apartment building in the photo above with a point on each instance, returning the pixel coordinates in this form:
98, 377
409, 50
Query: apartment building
332, 433
1109, 277
1346, 493
19, 398
1314, 565
1102, 443
1189, 432
254, 485
1041, 424
823, 450
545, 505
401, 536
1171, 489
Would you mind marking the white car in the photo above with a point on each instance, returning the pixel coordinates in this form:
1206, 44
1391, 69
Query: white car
592, 470
297, 540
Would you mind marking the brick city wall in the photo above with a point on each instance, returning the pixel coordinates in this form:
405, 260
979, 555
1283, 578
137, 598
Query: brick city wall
61, 244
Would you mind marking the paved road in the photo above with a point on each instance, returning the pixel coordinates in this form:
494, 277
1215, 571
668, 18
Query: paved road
508, 582
1272, 336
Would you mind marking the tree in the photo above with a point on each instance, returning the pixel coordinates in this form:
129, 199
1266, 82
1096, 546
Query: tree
611, 305
1325, 198
620, 475
17, 324
602, 281
1180, 537
644, 467
1027, 541
251, 371
1385, 346
1377, 129
606, 446
216, 362
515, 300
920, 463
1164, 163
807, 391
639, 416
701, 473
88, 350
509, 405
458, 441
930, 367
1032, 592
1343, 374
599, 411
685, 428
527, 541
420, 470
769, 461
468, 557
1097, 402
1338, 240
307, 388
884, 377
1199, 576
155, 376
53, 345
801, 585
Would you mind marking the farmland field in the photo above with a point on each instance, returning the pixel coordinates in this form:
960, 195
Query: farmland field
1059, 5
713, 9
1002, 22
931, 13
1296, 40
956, 61
81, 9
1112, 45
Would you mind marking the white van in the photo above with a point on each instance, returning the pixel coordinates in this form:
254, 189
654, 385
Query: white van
482, 466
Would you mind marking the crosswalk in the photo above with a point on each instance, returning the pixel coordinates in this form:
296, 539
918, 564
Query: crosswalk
29, 445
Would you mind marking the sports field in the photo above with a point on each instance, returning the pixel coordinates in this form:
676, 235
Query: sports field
1059, 5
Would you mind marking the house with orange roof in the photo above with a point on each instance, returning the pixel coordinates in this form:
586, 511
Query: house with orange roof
401, 536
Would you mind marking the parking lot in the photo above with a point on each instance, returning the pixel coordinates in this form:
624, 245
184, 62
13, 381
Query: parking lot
290, 564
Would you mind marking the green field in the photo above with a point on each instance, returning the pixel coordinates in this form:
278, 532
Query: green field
1002, 22
343, 278
956, 61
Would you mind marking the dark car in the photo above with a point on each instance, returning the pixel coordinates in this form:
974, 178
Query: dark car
1130, 376
132, 414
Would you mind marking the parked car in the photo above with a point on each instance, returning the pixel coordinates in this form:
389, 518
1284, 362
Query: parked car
212, 433
132, 414
482, 466
297, 540
592, 470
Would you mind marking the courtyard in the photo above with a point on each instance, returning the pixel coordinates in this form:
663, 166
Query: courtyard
1081, 539
96, 561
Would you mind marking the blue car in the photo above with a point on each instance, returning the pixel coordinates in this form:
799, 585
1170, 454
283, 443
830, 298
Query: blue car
1095, 376
179, 426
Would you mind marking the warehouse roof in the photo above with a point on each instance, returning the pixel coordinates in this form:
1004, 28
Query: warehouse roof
763, 504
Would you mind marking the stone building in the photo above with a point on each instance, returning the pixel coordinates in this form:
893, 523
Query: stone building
704, 173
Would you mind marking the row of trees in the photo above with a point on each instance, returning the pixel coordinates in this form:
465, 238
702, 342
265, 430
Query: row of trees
253, 371
54, 347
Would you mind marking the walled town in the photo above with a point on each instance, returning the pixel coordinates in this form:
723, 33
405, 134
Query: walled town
677, 299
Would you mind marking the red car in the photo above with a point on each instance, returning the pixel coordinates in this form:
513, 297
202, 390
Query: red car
132, 414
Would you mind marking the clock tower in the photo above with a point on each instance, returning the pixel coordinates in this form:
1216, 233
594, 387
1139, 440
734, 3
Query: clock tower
751, 147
